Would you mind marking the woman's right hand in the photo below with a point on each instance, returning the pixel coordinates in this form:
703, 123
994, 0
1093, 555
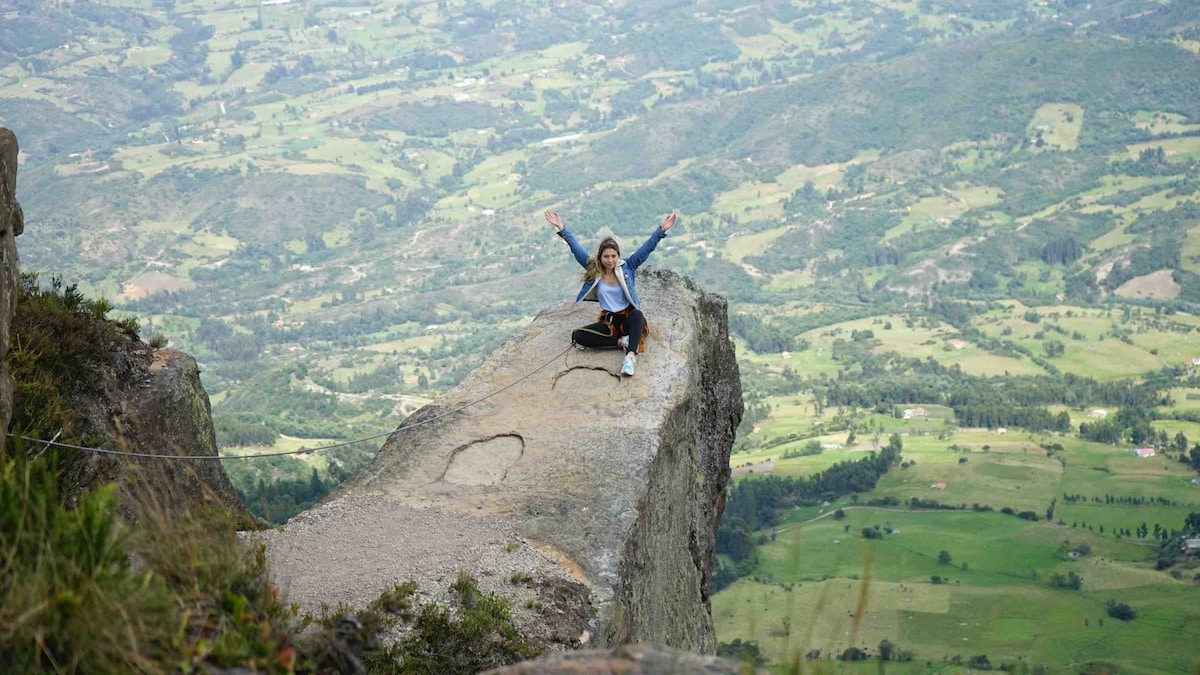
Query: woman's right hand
554, 219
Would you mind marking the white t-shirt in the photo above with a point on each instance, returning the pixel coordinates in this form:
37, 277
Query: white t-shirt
612, 298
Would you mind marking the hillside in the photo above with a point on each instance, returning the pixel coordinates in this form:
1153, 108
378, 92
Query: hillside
983, 208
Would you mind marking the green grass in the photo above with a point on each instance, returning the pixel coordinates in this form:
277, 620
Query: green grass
1177, 149
1001, 605
1059, 123
816, 572
1190, 255
738, 247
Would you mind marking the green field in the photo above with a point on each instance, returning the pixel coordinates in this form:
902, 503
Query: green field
820, 585
906, 203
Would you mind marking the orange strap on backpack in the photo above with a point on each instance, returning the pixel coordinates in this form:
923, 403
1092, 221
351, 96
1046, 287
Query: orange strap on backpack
617, 332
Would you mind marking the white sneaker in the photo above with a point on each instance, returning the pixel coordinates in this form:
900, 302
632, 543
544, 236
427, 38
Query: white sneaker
623, 342
629, 364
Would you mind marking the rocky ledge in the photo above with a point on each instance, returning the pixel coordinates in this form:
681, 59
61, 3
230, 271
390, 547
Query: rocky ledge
603, 492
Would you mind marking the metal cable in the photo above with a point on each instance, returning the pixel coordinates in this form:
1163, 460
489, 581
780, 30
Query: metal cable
104, 451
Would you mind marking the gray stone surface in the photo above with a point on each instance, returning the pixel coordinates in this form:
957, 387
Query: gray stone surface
617, 482
11, 224
153, 402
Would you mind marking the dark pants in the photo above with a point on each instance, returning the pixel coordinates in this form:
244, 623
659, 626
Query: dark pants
606, 332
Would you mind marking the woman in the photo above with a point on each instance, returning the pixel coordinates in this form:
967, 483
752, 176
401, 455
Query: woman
610, 281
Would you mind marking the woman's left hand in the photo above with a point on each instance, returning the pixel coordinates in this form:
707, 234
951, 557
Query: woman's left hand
668, 222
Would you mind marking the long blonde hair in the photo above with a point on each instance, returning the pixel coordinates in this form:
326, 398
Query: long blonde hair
594, 269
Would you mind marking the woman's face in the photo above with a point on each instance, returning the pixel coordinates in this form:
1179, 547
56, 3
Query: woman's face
609, 258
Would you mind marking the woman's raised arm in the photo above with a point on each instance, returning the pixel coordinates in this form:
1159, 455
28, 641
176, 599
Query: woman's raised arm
555, 220
639, 256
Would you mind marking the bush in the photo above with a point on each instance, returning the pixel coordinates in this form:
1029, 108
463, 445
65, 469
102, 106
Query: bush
1120, 610
980, 662
59, 344
477, 634
70, 599
746, 652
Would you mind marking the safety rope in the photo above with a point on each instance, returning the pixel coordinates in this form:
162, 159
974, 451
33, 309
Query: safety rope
302, 450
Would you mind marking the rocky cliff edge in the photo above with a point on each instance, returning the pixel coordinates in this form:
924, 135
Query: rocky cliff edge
138, 399
591, 500
12, 222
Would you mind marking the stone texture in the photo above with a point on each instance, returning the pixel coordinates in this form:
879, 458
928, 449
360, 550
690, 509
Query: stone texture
619, 482
12, 223
153, 402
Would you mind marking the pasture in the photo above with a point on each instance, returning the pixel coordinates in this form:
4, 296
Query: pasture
821, 585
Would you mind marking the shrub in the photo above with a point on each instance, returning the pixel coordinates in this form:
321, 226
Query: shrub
980, 662
477, 634
59, 343
1120, 610
746, 652
70, 599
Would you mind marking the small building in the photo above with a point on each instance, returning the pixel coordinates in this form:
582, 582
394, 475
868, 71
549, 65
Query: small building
1098, 413
1144, 452
910, 413
940, 485
1191, 546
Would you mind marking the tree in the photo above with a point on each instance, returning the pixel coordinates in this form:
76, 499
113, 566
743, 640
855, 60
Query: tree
746, 652
1120, 610
980, 662
944, 558
315, 487
1180, 442
854, 654
887, 650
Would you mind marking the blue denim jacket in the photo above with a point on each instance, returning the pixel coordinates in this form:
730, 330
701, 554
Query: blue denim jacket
626, 267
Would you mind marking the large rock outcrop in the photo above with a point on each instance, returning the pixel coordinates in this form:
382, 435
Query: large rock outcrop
134, 399
608, 487
11, 224
151, 401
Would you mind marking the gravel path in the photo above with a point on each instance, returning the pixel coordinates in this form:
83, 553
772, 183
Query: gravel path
351, 549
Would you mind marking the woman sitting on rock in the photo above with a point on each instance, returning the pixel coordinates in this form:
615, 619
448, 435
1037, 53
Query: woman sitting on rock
610, 281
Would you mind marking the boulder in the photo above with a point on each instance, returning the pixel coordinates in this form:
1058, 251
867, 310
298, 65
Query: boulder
607, 489
152, 402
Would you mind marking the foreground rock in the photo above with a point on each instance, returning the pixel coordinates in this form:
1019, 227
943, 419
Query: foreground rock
606, 489
11, 225
133, 399
151, 401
